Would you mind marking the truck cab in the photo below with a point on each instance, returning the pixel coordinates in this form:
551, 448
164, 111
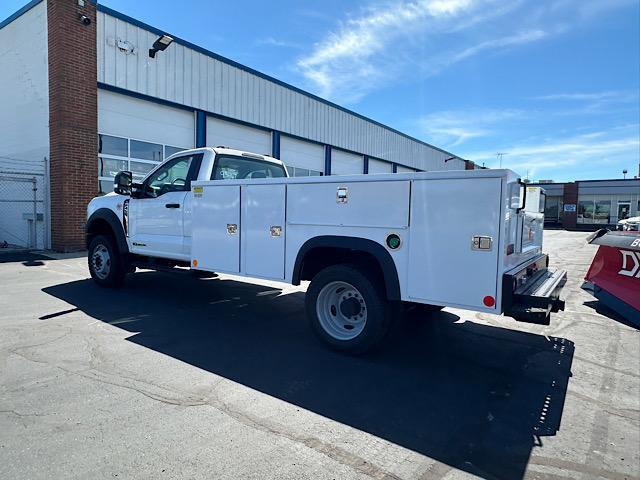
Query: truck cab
157, 216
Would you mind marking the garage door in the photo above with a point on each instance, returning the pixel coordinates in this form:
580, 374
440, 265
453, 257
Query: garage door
240, 137
345, 163
379, 166
301, 158
137, 134
402, 169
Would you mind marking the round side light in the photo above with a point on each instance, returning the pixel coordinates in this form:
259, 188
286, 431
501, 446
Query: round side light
489, 301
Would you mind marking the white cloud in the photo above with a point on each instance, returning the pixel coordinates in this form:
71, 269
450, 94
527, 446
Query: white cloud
397, 39
358, 56
577, 153
453, 128
517, 39
439, 63
618, 96
275, 42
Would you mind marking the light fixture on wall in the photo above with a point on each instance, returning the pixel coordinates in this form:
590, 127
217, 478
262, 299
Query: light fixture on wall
160, 45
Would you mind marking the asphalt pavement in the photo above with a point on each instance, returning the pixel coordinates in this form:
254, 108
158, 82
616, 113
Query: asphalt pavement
178, 377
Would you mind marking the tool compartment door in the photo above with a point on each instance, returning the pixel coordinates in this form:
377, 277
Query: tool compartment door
216, 228
446, 268
263, 230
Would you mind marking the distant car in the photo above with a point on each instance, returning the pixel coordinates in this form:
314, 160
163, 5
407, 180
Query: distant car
629, 224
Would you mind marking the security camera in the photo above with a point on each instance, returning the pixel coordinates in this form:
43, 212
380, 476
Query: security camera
85, 20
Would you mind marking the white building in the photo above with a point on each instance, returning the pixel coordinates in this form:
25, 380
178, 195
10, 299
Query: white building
82, 96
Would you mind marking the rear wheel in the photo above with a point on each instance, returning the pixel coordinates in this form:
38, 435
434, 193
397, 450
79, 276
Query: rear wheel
106, 266
347, 309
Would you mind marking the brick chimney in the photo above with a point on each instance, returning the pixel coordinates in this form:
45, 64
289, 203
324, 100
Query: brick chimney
73, 118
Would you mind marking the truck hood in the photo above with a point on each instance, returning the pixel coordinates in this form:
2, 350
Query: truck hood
111, 201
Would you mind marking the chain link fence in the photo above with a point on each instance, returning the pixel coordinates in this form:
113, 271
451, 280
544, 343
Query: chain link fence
24, 206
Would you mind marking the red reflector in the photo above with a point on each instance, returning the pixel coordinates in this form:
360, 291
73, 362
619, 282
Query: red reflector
489, 301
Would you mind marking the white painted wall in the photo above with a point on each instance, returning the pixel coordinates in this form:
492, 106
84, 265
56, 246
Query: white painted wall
125, 116
346, 163
186, 76
240, 137
24, 92
24, 121
301, 154
378, 166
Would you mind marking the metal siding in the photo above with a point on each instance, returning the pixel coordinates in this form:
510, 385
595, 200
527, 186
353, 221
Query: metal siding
379, 166
100, 46
345, 163
186, 76
301, 154
241, 137
138, 119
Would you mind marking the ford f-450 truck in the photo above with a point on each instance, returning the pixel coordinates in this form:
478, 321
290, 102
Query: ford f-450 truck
464, 239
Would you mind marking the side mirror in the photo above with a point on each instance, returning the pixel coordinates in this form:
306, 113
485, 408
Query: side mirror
122, 183
517, 196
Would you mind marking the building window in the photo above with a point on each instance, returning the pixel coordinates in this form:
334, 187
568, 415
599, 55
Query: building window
113, 145
169, 150
146, 150
624, 208
552, 209
594, 211
139, 157
602, 211
585, 211
302, 172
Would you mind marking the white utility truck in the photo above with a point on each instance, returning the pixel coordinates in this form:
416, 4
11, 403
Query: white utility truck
462, 239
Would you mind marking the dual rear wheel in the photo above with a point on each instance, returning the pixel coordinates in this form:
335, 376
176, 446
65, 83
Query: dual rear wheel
348, 308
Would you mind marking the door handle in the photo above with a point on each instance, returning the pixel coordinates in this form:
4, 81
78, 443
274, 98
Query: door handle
172, 205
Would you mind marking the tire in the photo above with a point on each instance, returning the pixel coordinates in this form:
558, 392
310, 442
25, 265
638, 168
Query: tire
348, 309
106, 265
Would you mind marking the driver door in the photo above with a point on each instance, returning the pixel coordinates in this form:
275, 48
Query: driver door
157, 217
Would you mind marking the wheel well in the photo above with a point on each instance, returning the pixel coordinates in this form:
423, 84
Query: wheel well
319, 258
98, 227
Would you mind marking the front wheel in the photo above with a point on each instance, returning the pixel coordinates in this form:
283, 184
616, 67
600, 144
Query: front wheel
348, 309
105, 265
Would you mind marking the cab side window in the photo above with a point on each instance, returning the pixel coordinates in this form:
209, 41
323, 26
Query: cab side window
173, 176
240, 168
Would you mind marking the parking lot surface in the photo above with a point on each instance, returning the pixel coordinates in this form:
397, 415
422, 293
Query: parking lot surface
177, 377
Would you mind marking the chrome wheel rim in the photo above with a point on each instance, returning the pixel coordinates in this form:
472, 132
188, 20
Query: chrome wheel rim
341, 310
101, 262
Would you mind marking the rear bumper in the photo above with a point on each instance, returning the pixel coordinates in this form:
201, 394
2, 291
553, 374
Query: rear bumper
531, 293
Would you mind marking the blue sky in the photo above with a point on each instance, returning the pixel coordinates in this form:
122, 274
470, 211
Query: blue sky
552, 84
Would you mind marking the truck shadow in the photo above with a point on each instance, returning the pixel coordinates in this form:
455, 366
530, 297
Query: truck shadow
473, 396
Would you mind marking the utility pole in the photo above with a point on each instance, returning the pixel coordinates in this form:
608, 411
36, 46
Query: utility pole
499, 156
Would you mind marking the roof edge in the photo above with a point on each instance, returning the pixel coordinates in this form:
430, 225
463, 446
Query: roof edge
19, 13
